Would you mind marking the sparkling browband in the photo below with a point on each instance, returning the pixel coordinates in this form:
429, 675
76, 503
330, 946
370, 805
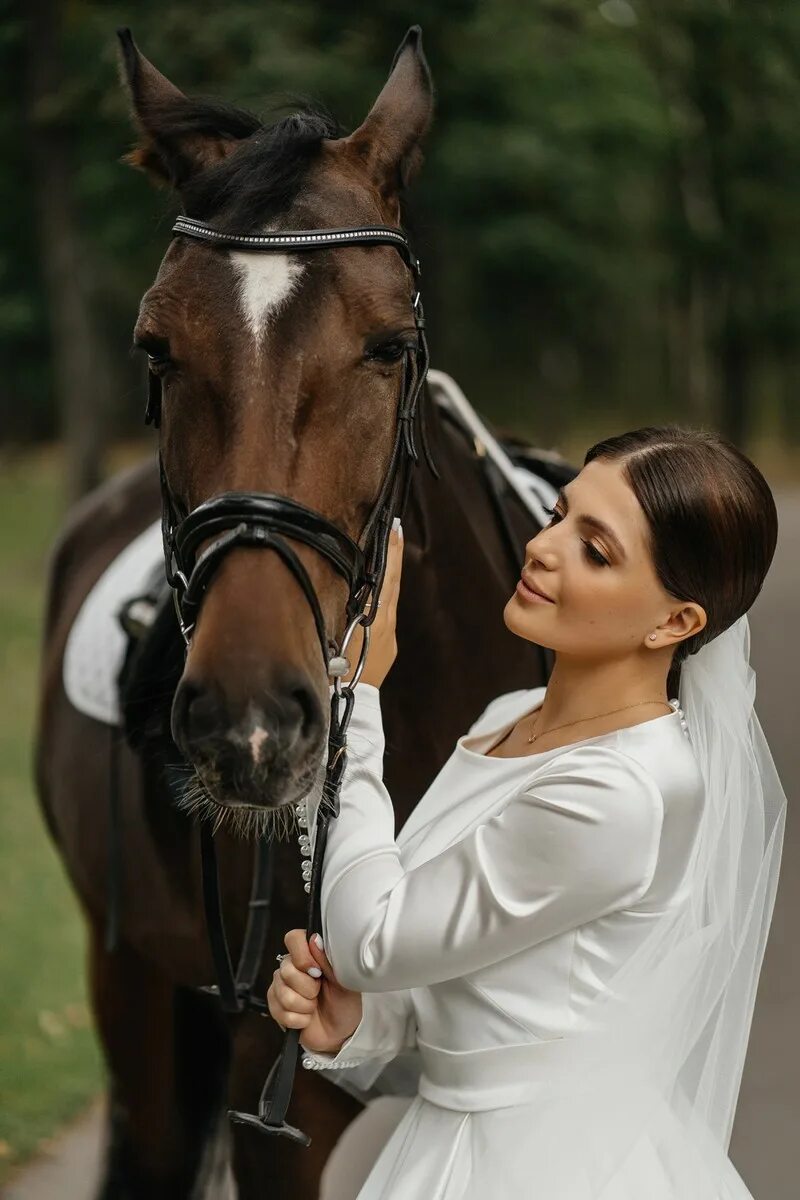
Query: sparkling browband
301, 239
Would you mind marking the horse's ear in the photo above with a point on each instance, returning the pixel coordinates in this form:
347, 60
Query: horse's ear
388, 141
178, 136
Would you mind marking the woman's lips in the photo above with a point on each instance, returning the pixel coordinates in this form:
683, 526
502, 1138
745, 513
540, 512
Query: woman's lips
526, 593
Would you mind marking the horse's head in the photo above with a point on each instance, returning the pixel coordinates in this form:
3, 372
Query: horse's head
279, 373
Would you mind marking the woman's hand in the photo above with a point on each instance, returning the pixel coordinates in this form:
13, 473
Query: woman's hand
382, 638
326, 1012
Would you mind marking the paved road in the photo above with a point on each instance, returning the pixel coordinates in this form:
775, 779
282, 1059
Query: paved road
764, 1143
69, 1169
767, 1125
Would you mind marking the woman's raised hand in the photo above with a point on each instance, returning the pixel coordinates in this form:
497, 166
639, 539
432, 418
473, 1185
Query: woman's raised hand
383, 637
326, 1012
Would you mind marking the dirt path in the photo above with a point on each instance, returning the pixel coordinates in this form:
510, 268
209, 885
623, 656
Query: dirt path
768, 1115
68, 1170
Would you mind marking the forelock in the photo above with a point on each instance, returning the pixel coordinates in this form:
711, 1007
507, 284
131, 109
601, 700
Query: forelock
262, 177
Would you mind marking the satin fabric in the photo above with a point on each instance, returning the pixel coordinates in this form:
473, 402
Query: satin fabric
480, 934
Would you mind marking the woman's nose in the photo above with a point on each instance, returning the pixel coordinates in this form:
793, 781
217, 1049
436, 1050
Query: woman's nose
538, 549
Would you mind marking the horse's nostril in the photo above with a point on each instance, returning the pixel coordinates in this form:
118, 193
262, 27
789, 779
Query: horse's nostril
295, 712
311, 715
197, 714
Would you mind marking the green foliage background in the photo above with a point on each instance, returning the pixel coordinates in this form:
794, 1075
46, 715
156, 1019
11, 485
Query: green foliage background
607, 215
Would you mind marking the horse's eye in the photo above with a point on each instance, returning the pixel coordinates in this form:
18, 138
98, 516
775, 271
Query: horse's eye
390, 350
158, 362
157, 351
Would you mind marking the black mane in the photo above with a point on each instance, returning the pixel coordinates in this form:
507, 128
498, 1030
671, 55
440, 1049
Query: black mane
262, 177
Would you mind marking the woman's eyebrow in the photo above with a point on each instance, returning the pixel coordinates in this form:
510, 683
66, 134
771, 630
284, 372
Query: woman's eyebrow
595, 523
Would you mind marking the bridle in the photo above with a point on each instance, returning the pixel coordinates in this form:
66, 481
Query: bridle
265, 520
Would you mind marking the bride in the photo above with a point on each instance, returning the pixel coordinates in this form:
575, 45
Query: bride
570, 926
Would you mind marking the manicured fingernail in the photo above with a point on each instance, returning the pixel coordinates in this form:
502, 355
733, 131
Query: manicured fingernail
396, 523
315, 971
317, 938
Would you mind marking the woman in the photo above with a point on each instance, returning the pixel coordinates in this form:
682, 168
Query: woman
570, 925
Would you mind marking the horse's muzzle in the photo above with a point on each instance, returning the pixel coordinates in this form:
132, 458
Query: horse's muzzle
253, 753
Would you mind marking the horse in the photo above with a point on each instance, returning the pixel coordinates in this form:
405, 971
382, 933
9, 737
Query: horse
276, 373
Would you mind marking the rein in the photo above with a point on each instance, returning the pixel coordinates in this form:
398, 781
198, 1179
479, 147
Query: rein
265, 520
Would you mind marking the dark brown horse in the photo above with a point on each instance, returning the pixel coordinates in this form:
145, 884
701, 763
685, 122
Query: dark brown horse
280, 374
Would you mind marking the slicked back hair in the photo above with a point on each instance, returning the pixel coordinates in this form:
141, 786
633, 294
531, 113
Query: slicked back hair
712, 520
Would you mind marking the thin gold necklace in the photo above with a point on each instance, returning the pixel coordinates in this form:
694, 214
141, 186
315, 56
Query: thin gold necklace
624, 708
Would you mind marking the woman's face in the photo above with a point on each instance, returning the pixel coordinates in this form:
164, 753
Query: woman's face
593, 561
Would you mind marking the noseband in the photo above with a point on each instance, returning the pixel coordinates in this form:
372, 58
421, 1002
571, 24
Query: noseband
265, 520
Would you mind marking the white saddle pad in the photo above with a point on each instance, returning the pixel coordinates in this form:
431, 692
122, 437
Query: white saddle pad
96, 643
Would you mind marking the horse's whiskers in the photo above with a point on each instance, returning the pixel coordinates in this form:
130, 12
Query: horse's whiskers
195, 799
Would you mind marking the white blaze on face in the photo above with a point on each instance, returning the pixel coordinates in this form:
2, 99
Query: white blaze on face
265, 281
257, 737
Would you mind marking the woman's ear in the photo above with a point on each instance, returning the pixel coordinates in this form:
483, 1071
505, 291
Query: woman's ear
682, 623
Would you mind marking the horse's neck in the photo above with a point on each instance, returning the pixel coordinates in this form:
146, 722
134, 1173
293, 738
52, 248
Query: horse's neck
457, 513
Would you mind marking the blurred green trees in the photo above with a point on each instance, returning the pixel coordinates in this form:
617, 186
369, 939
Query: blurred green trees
607, 216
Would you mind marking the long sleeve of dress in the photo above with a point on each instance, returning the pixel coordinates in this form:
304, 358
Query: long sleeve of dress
388, 1023
388, 1026
576, 842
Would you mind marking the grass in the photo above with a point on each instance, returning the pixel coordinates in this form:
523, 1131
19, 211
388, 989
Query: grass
49, 1063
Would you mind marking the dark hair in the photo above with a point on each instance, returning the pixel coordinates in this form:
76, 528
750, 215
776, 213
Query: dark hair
712, 519
268, 169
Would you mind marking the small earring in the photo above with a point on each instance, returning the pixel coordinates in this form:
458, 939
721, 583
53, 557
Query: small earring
652, 636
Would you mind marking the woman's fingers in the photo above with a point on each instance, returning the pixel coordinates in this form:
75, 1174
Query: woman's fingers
394, 566
286, 1018
302, 952
295, 942
398, 560
298, 981
290, 1000
390, 588
322, 960
286, 1006
292, 997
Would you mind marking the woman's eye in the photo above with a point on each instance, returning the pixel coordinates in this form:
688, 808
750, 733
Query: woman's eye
592, 553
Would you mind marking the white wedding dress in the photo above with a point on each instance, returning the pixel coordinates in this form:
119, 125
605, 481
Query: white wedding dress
479, 935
